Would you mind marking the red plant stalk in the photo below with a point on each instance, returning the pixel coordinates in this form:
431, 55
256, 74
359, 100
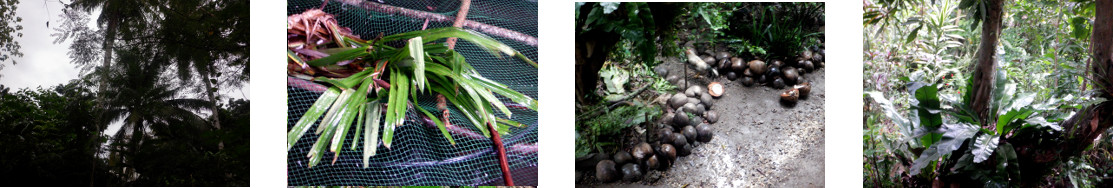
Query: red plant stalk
502, 155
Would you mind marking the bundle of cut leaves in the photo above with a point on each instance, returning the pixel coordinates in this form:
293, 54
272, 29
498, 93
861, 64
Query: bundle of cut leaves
320, 50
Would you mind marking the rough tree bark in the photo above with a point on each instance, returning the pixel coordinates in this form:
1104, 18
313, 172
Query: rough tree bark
985, 69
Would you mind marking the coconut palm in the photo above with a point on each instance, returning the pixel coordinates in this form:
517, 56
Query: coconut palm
115, 15
186, 32
148, 108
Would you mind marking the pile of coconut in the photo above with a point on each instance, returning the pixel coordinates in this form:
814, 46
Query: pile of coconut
775, 73
684, 128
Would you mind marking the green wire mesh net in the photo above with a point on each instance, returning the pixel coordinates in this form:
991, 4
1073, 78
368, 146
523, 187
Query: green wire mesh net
420, 155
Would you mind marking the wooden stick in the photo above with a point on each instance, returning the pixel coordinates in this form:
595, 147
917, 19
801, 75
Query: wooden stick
461, 16
417, 14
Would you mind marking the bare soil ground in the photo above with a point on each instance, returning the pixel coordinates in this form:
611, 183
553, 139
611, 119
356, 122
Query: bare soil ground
758, 141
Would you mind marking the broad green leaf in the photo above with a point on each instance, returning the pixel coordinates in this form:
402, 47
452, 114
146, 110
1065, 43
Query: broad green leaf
319, 107
1012, 119
1008, 163
912, 35
927, 106
984, 146
887, 106
953, 137
1024, 100
1041, 122
1080, 28
609, 7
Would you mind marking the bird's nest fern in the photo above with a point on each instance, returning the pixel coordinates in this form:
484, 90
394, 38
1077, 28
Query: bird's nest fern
320, 50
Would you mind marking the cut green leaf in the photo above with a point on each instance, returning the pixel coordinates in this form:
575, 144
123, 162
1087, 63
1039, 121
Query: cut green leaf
371, 131
319, 107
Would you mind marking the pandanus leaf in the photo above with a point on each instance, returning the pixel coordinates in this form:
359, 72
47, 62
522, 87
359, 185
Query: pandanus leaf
321, 146
347, 100
440, 125
396, 104
293, 56
487, 43
371, 130
359, 125
349, 114
341, 56
418, 55
345, 94
311, 116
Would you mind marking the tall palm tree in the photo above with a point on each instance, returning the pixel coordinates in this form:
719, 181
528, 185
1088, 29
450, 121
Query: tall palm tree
187, 31
114, 15
148, 107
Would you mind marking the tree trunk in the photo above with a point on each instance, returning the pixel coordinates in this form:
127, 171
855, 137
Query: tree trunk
209, 90
1101, 43
592, 49
591, 52
1037, 155
986, 67
109, 38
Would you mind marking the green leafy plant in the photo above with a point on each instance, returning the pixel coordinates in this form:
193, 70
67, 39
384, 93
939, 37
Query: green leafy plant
780, 31
593, 135
945, 124
420, 67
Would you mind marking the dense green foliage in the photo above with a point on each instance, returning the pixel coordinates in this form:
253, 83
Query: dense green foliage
768, 30
919, 126
634, 22
171, 132
48, 140
8, 26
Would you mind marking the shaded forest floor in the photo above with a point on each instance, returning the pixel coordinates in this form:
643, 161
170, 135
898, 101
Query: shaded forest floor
758, 141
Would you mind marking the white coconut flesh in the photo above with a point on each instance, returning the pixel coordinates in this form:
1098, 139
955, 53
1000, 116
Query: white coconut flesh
715, 89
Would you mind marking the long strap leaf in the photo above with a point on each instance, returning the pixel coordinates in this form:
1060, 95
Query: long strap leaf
371, 130
439, 124
349, 114
490, 44
311, 116
418, 55
337, 105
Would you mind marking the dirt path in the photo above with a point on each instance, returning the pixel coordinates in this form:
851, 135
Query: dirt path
758, 142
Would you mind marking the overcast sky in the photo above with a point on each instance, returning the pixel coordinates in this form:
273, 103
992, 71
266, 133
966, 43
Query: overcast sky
46, 64
43, 63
